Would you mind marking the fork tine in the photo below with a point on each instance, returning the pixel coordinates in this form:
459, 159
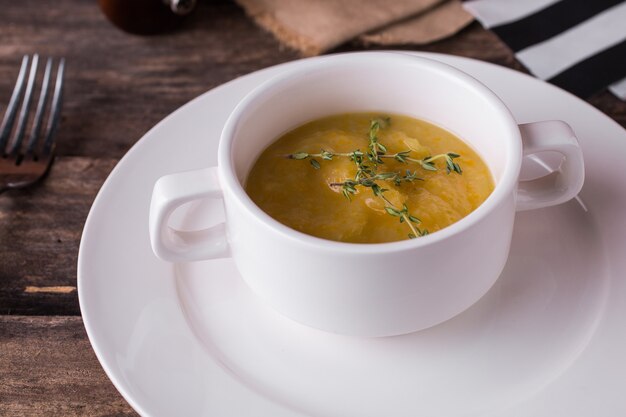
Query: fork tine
9, 114
23, 119
57, 103
41, 106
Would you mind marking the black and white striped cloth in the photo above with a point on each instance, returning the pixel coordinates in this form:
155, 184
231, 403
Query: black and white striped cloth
578, 45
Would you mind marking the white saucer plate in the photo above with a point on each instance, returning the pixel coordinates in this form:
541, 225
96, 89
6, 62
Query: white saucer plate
191, 340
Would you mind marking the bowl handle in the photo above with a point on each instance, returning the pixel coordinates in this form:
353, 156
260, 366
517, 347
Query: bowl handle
169, 193
561, 185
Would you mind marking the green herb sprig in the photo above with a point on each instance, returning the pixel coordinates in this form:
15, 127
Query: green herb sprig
367, 174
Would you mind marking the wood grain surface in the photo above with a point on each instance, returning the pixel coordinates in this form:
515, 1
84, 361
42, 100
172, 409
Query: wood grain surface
118, 87
49, 369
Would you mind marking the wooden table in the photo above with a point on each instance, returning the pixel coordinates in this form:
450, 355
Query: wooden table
118, 87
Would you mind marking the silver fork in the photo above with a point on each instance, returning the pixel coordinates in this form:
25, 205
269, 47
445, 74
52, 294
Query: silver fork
24, 163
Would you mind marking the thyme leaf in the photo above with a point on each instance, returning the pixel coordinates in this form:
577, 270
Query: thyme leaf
368, 176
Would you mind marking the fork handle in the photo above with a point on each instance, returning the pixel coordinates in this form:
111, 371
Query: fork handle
171, 192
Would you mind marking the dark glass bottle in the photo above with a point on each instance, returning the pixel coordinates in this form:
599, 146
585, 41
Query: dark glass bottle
146, 17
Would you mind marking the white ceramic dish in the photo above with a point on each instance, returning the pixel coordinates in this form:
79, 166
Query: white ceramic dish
367, 290
548, 339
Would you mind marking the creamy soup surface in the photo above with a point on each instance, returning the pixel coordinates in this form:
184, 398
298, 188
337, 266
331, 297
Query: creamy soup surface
307, 196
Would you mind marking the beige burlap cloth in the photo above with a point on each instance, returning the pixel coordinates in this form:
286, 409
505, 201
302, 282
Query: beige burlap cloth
315, 26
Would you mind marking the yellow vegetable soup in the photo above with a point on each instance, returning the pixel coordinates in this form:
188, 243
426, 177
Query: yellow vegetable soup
309, 178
